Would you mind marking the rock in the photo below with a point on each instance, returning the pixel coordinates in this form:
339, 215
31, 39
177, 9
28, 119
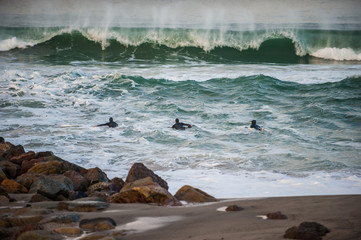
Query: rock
129, 196
76, 195
40, 235
98, 187
38, 198
307, 231
97, 224
69, 231
116, 184
13, 151
6, 233
23, 220
2, 175
190, 194
22, 157
4, 195
96, 175
83, 206
276, 215
144, 191
5, 146
79, 181
4, 200
54, 165
233, 208
27, 164
44, 154
10, 169
29, 211
12, 186
52, 186
139, 171
16, 231
27, 179
46, 168
66, 218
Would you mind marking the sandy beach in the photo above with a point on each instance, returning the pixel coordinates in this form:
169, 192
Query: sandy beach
341, 214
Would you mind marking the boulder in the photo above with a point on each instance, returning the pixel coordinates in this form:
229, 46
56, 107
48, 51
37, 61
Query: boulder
104, 196
5, 196
21, 221
66, 218
51, 186
234, 208
307, 231
28, 179
129, 196
79, 181
6, 233
44, 154
38, 198
56, 165
16, 231
97, 224
22, 157
95, 175
4, 200
40, 235
27, 164
190, 194
144, 191
83, 206
69, 231
2, 175
5, 146
30, 211
10, 169
13, 151
46, 168
139, 171
276, 215
11, 186
76, 195
116, 184
98, 187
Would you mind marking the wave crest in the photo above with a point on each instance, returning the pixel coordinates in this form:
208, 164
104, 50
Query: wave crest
232, 45
337, 54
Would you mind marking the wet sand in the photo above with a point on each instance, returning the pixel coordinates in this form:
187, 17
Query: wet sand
340, 213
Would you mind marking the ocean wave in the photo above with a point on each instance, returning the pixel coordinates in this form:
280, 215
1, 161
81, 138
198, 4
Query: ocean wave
343, 54
12, 43
114, 44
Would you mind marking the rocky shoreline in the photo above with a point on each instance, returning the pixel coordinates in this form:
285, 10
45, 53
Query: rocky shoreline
45, 197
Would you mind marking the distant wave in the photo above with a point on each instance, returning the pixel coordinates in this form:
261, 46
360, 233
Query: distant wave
117, 44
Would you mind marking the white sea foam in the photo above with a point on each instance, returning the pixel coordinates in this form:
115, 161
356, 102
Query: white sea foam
339, 54
11, 43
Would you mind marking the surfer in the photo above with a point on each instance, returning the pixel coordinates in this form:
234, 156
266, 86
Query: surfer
110, 124
180, 126
255, 126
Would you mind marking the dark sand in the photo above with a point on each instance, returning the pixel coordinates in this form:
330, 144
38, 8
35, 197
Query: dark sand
341, 214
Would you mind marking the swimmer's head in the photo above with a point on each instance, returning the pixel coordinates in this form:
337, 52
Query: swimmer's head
253, 121
111, 119
177, 120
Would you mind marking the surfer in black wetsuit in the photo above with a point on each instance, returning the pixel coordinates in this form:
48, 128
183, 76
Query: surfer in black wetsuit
255, 126
180, 126
110, 124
